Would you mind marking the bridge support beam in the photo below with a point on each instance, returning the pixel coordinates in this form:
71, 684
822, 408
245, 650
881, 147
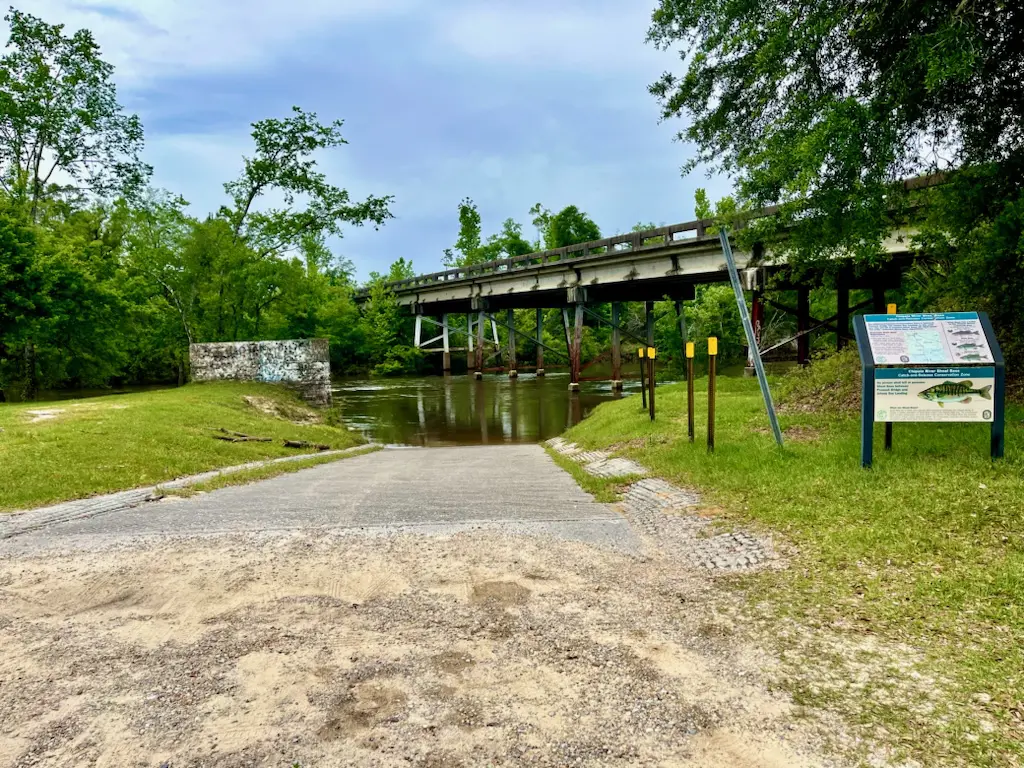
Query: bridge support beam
757, 321
446, 358
616, 347
479, 362
540, 337
843, 313
510, 321
683, 335
575, 350
803, 325
470, 354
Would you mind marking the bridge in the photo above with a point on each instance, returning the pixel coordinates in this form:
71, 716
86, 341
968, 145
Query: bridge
662, 263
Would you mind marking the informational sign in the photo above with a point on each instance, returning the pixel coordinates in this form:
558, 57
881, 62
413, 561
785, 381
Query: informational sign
949, 338
935, 394
930, 368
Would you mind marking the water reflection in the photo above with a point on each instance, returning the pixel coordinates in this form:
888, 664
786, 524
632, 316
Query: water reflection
459, 410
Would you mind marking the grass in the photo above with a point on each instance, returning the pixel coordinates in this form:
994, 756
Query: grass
924, 552
113, 443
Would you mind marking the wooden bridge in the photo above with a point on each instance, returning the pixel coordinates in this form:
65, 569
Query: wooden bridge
662, 263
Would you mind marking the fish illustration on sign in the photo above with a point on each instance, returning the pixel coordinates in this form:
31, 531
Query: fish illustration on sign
973, 357
965, 333
955, 392
968, 345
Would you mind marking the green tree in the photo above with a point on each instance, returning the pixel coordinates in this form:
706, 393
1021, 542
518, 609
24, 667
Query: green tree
570, 226
60, 118
826, 109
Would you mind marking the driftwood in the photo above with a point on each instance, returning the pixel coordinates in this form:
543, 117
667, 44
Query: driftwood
231, 436
306, 444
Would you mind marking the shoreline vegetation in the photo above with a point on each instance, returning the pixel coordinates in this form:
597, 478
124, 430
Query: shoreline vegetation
924, 553
70, 449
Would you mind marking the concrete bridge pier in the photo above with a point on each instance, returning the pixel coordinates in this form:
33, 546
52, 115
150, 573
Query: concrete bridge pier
540, 337
616, 347
446, 355
510, 321
479, 361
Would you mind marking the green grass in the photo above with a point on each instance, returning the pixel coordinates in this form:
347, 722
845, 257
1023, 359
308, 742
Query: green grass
106, 444
926, 549
244, 476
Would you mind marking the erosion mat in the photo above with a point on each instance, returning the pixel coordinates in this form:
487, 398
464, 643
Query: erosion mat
464, 651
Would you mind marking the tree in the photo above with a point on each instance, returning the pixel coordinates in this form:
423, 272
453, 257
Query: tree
470, 250
569, 227
60, 120
284, 162
825, 108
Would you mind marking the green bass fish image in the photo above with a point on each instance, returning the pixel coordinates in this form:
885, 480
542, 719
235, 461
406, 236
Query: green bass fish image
955, 392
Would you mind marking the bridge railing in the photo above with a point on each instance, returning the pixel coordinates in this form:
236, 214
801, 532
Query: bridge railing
630, 242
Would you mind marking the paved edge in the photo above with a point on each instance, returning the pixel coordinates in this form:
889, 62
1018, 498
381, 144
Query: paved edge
15, 523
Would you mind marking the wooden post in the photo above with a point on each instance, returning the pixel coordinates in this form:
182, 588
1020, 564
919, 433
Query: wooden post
641, 355
689, 389
890, 310
616, 347
803, 325
651, 355
575, 364
446, 359
480, 345
510, 321
712, 366
540, 338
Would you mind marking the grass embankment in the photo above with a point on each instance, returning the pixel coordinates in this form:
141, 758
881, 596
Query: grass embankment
69, 449
925, 552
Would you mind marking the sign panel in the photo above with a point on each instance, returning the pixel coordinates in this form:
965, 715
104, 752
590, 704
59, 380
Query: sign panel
935, 394
946, 338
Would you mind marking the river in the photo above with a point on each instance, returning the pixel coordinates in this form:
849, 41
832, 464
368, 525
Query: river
459, 410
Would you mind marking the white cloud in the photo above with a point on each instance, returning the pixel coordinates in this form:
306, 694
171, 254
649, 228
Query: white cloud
145, 39
596, 37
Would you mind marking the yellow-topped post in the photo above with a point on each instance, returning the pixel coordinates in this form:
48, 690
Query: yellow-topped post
890, 310
712, 366
690, 350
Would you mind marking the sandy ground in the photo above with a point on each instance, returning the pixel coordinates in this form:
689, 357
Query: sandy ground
343, 650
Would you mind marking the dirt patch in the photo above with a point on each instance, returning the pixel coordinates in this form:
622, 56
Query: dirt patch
293, 412
321, 650
44, 415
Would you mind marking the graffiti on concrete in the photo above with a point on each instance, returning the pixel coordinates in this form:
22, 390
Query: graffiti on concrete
303, 364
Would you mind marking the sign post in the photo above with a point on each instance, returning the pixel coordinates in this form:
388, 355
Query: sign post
712, 365
643, 378
930, 367
651, 354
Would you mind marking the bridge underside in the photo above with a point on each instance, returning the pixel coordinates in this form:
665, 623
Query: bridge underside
639, 267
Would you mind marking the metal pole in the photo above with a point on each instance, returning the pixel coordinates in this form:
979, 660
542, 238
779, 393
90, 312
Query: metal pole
741, 303
689, 388
712, 365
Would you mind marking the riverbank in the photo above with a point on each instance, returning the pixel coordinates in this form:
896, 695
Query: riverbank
918, 565
70, 449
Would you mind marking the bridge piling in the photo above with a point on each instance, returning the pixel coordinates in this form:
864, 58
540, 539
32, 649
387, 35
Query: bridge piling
540, 337
446, 357
575, 350
510, 321
681, 320
479, 374
616, 348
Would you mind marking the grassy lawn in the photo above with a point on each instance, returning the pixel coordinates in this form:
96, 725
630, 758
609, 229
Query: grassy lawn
69, 449
925, 552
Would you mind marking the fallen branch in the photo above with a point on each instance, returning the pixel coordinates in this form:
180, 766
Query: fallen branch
306, 444
231, 436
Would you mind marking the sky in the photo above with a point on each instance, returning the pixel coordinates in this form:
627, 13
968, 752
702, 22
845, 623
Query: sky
509, 102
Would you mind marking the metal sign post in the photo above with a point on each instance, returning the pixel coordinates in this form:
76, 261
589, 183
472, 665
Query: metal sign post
755, 353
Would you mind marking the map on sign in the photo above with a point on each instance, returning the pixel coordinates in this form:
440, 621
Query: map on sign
948, 338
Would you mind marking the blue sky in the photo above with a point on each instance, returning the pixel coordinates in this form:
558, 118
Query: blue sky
506, 101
